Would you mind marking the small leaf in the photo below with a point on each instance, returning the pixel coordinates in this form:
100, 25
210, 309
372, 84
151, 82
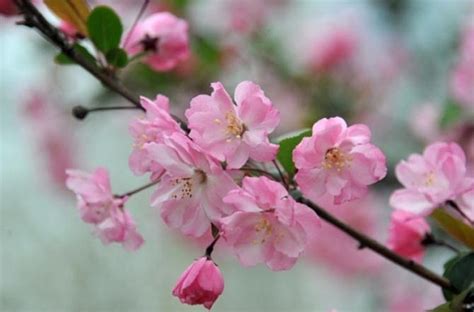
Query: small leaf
74, 12
445, 307
117, 57
63, 59
455, 227
451, 113
287, 144
105, 28
460, 273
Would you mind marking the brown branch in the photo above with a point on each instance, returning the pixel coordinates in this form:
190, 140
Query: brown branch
367, 242
33, 18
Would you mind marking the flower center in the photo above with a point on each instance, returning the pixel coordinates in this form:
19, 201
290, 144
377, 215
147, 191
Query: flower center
188, 185
264, 227
430, 179
335, 158
234, 126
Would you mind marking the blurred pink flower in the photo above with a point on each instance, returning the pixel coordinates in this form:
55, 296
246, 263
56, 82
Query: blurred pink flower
339, 251
462, 80
431, 179
268, 225
338, 160
425, 122
191, 190
94, 194
333, 47
406, 233
151, 129
119, 227
164, 38
97, 205
201, 283
51, 135
8, 8
234, 133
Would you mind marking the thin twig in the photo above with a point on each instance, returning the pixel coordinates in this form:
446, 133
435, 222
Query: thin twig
430, 239
140, 14
281, 174
137, 190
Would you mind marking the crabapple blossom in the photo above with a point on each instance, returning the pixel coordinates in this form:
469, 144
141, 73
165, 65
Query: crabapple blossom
94, 194
406, 234
234, 133
152, 128
201, 283
164, 37
97, 205
338, 160
191, 189
431, 179
268, 225
119, 227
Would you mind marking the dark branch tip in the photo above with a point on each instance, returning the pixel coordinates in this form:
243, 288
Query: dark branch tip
80, 112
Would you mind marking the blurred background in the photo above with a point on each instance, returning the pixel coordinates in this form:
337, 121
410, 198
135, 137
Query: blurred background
405, 68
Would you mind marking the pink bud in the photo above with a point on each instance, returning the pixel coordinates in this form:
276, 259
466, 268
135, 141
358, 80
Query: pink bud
201, 283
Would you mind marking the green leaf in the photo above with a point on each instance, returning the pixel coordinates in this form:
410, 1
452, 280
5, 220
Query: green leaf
445, 307
105, 28
117, 57
63, 59
460, 273
455, 227
457, 304
287, 144
451, 113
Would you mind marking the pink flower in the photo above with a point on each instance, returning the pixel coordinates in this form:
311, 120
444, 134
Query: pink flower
164, 36
97, 205
8, 8
406, 233
151, 129
431, 179
51, 136
462, 80
234, 133
338, 160
333, 47
119, 227
201, 283
268, 226
191, 190
94, 195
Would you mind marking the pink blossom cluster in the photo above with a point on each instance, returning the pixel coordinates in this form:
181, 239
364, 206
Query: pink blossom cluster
200, 183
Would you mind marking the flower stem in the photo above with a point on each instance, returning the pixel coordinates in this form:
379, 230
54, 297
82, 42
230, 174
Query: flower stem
137, 190
430, 239
281, 175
